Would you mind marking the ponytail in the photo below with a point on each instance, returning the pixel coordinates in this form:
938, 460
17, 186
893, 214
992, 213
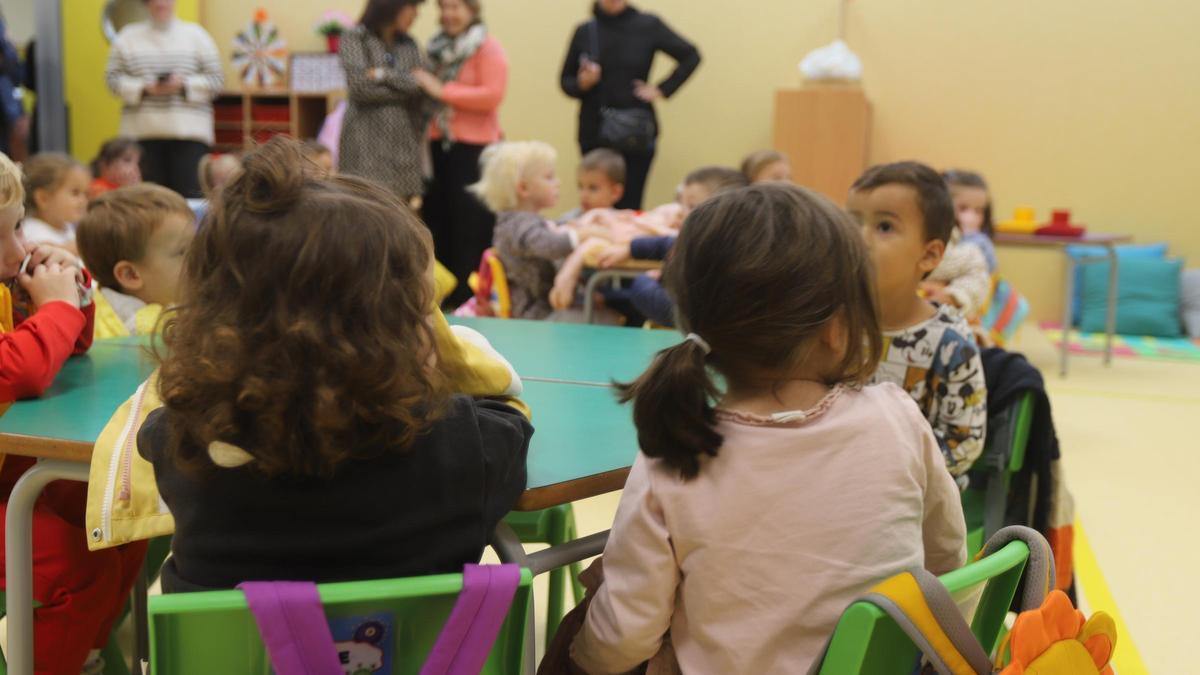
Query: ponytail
673, 408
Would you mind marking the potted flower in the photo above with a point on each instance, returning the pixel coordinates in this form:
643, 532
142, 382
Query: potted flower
332, 24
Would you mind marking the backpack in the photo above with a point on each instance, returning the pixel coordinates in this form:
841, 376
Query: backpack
1050, 636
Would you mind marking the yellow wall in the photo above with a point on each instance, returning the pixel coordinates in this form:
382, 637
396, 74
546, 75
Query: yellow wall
1091, 106
94, 112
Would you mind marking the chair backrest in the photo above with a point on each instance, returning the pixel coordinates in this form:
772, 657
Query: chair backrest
867, 641
499, 283
195, 633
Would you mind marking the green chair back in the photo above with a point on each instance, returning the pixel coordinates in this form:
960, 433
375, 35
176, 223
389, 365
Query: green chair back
868, 642
214, 632
986, 500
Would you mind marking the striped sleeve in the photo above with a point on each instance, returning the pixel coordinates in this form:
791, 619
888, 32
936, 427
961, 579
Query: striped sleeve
120, 79
203, 86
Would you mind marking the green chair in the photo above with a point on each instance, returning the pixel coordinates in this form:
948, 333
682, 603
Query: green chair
205, 633
114, 660
552, 526
868, 642
986, 499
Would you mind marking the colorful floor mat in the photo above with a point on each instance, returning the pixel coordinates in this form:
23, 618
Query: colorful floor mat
1128, 346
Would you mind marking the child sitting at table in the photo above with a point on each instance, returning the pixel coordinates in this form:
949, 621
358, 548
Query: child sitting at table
518, 183
308, 428
929, 350
56, 197
46, 316
117, 165
767, 166
601, 182
754, 515
133, 241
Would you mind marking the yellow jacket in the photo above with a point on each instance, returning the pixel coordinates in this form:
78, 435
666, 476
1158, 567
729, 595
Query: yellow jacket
110, 325
123, 503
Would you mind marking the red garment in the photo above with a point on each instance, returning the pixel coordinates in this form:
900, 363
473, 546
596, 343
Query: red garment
82, 593
100, 186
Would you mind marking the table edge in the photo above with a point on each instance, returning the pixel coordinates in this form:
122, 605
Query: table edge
39, 447
536, 499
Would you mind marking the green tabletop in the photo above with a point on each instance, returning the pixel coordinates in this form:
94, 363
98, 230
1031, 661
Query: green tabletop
574, 352
581, 434
86, 393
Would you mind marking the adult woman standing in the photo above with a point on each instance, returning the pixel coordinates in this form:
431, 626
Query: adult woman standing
469, 78
167, 72
606, 68
385, 115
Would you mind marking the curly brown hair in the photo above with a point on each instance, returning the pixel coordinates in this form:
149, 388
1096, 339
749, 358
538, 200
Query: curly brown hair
302, 334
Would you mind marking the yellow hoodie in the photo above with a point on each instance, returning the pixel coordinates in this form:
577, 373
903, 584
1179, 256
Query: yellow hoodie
123, 503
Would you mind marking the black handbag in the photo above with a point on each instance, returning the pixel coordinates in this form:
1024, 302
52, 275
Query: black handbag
631, 130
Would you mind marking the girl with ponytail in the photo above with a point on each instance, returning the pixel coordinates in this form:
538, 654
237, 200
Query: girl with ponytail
772, 487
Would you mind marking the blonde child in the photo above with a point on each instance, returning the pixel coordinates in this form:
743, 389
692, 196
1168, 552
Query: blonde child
767, 166
46, 317
118, 164
215, 171
308, 428
56, 196
929, 350
752, 517
519, 182
133, 240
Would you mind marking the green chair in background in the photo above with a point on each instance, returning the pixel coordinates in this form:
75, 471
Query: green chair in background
205, 633
552, 526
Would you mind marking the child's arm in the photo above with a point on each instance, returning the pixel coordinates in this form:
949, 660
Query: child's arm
943, 527
33, 353
562, 296
536, 240
631, 611
504, 434
473, 366
968, 282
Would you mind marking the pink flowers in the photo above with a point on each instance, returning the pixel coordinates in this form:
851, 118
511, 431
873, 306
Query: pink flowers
333, 22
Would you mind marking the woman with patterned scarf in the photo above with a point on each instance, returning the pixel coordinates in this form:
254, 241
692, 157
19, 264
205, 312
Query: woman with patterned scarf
470, 75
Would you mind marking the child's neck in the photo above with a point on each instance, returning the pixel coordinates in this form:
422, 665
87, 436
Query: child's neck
56, 224
904, 311
769, 398
528, 206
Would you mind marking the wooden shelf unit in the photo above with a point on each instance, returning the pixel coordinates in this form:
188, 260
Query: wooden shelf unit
244, 118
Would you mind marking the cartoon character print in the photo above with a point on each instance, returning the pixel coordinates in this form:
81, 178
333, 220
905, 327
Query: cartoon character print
915, 348
961, 415
363, 654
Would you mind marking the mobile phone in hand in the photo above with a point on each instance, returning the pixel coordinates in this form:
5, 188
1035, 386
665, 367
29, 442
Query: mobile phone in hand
163, 77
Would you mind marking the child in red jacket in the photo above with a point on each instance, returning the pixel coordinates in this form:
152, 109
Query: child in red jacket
46, 316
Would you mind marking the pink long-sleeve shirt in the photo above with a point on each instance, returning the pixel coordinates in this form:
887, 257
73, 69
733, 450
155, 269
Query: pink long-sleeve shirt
475, 96
750, 564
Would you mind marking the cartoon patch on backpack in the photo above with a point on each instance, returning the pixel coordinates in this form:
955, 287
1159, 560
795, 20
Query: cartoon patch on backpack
363, 643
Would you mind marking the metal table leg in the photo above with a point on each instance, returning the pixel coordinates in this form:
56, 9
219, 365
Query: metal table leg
589, 293
18, 552
1110, 323
1065, 344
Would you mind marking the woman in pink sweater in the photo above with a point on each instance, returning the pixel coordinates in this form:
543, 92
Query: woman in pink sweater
470, 75
757, 511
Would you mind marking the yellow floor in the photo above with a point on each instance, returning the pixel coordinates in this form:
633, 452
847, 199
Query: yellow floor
1129, 435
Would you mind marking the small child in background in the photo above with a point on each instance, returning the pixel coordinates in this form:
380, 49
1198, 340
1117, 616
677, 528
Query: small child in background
601, 180
518, 183
309, 429
56, 197
133, 241
752, 518
767, 166
973, 209
646, 293
46, 316
118, 164
929, 350
215, 171
321, 155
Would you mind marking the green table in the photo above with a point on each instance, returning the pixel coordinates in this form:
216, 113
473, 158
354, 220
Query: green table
575, 353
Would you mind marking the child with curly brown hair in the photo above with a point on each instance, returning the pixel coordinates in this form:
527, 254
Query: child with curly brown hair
308, 430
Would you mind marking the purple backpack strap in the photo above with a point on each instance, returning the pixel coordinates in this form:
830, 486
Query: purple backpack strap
292, 623
467, 638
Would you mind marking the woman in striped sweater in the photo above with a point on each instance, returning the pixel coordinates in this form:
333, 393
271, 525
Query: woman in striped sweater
167, 72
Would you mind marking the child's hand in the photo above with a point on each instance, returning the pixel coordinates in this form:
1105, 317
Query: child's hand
615, 255
47, 254
52, 283
562, 296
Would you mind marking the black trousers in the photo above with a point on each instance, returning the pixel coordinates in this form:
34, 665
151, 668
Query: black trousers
174, 164
461, 225
637, 172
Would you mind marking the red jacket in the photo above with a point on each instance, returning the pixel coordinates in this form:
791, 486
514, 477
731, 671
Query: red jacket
31, 354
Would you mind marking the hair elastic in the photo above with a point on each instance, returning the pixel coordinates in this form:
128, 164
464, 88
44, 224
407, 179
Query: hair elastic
692, 337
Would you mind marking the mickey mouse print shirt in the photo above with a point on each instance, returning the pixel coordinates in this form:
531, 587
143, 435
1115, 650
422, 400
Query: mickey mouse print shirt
938, 364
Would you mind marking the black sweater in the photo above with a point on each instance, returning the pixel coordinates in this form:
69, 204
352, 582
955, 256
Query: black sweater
627, 44
427, 511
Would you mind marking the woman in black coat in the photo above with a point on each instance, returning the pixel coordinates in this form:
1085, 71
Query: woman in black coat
606, 68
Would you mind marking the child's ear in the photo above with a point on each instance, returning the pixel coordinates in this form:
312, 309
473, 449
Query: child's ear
127, 275
40, 196
522, 189
618, 191
931, 257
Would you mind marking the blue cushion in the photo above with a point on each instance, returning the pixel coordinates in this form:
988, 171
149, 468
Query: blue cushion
1079, 251
1147, 297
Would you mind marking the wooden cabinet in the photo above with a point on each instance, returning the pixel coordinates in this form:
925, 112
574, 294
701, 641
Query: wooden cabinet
824, 129
244, 118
